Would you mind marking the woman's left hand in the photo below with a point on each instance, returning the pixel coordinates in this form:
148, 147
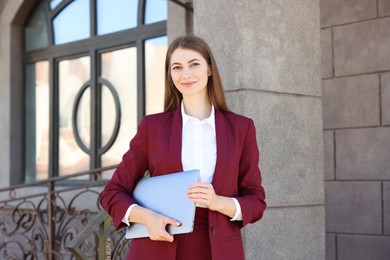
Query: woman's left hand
203, 193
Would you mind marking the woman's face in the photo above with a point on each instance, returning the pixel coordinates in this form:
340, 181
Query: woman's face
189, 73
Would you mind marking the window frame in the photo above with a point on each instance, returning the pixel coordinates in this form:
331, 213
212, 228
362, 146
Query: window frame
93, 47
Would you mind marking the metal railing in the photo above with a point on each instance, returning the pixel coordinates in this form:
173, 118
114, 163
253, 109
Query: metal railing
59, 218
107, 247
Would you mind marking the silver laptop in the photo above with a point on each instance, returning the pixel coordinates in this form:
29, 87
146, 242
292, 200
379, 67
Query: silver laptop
167, 195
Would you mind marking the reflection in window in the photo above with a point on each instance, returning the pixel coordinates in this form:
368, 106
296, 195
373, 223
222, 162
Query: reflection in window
72, 23
37, 121
155, 11
114, 16
120, 69
73, 74
155, 50
36, 30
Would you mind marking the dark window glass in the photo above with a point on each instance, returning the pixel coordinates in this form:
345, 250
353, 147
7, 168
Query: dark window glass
36, 30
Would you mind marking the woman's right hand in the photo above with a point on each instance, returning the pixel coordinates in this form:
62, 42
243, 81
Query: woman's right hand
154, 222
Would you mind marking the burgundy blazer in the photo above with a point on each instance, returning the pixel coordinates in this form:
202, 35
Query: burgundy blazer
157, 147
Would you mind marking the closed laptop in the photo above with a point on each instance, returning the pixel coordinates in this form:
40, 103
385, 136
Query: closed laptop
166, 195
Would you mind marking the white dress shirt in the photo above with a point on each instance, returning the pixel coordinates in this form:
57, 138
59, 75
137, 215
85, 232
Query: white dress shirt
199, 145
199, 151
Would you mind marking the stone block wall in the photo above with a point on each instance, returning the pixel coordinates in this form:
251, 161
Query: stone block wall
355, 43
268, 53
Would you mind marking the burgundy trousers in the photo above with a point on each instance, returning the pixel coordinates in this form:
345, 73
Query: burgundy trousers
195, 245
191, 246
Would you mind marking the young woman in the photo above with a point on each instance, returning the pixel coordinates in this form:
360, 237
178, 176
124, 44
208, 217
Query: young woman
196, 131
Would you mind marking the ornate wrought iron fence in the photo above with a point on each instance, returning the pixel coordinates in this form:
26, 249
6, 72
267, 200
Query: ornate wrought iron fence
39, 220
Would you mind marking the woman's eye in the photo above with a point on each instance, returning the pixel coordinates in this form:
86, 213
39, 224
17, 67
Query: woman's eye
175, 68
195, 64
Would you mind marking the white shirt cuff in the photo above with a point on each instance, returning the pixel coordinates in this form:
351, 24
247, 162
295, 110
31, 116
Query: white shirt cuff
238, 215
127, 214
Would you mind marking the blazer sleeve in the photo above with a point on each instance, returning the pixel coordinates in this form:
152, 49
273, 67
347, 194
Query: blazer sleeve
251, 192
116, 196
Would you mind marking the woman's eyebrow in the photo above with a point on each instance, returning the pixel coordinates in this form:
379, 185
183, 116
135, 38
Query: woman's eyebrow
178, 63
193, 60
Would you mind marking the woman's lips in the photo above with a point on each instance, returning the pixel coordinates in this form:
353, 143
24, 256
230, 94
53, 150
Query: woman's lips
188, 84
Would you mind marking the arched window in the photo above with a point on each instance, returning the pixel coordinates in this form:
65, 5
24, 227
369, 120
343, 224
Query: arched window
93, 68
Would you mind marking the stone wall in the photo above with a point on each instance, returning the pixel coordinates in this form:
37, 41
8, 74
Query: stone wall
268, 53
5, 90
355, 39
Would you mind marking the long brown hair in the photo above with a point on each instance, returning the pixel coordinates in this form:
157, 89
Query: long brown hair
215, 91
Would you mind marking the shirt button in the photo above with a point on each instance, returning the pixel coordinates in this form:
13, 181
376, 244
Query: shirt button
213, 231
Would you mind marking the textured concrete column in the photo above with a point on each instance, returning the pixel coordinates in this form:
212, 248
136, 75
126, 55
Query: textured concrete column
11, 90
6, 16
268, 53
179, 21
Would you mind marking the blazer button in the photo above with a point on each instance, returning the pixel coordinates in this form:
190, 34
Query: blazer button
213, 231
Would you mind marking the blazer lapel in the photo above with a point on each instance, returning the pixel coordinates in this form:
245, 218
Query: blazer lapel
222, 152
175, 141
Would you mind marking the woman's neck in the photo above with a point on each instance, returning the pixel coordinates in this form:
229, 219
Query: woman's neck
200, 109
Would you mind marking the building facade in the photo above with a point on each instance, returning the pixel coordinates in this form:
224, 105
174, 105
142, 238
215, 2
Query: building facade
355, 40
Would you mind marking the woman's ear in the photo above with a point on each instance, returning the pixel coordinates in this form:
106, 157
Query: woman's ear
209, 72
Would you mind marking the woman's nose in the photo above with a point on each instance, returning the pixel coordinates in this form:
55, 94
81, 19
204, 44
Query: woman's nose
186, 73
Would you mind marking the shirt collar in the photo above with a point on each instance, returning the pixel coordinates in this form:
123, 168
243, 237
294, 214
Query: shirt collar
210, 120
